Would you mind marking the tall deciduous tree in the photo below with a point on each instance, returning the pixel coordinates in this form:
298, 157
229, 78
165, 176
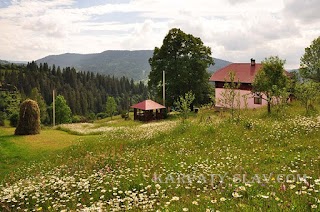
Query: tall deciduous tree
185, 60
63, 111
310, 61
270, 79
111, 106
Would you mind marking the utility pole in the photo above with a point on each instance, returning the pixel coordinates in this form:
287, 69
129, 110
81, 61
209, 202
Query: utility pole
53, 108
164, 88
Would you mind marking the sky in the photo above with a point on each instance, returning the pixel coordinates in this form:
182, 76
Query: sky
236, 30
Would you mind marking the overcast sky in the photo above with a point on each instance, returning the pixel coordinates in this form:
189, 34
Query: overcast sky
235, 30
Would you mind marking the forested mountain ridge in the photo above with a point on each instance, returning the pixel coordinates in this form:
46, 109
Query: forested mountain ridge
132, 64
85, 92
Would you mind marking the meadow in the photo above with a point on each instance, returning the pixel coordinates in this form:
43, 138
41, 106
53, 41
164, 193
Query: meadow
205, 163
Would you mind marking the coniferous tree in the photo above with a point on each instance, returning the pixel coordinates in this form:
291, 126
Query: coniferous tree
36, 96
84, 92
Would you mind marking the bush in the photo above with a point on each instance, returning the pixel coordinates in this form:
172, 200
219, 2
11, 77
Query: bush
124, 114
1, 119
91, 117
14, 118
79, 119
102, 115
29, 118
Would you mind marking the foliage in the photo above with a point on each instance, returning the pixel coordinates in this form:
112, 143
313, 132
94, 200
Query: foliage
14, 119
63, 111
79, 119
310, 61
2, 118
184, 104
270, 79
102, 115
36, 96
111, 106
308, 94
85, 92
10, 100
185, 60
29, 118
231, 96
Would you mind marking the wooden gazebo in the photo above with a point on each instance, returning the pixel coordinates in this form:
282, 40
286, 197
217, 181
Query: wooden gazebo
148, 110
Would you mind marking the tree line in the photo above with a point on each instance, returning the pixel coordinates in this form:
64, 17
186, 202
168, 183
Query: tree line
86, 93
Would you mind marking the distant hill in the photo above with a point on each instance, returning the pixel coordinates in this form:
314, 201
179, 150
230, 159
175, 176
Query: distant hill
4, 62
132, 64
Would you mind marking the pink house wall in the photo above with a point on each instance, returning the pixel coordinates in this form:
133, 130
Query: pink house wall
250, 98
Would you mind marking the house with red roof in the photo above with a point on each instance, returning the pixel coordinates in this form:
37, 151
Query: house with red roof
244, 73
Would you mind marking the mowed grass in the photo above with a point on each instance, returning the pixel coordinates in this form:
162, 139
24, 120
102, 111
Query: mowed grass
175, 166
16, 151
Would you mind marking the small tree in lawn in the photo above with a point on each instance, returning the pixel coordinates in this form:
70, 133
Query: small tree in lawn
231, 96
270, 79
63, 111
111, 106
307, 93
184, 103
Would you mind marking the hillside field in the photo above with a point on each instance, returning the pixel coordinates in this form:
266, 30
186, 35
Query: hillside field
206, 163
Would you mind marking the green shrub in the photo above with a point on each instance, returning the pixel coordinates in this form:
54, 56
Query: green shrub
102, 115
14, 118
1, 119
91, 117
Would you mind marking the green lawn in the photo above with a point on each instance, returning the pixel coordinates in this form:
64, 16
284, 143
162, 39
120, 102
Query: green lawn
16, 151
259, 163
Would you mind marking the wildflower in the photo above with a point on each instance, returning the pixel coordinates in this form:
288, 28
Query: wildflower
314, 206
175, 198
283, 187
185, 209
248, 185
292, 186
222, 199
242, 188
236, 194
264, 196
158, 186
195, 203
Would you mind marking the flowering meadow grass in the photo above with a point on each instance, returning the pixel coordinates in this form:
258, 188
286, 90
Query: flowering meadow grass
207, 163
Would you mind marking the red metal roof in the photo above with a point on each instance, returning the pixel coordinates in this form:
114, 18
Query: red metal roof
244, 72
148, 105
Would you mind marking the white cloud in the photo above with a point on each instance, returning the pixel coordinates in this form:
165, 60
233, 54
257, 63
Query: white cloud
235, 30
304, 11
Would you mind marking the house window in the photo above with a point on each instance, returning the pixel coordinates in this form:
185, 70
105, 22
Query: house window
257, 100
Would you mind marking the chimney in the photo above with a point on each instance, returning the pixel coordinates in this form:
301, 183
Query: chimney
253, 62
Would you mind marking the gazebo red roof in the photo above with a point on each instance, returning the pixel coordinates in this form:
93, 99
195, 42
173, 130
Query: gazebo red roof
148, 105
244, 72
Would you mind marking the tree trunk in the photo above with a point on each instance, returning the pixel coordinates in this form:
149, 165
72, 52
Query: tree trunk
269, 107
269, 104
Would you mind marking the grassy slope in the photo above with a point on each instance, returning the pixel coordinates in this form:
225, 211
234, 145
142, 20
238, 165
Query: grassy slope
16, 151
118, 165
